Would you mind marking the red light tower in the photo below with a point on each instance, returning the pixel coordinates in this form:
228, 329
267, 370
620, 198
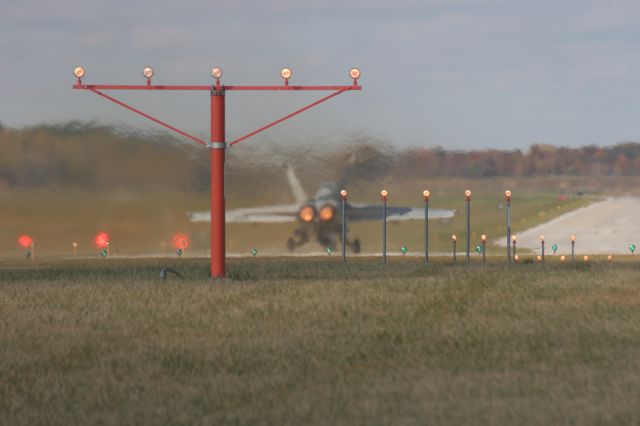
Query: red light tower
217, 144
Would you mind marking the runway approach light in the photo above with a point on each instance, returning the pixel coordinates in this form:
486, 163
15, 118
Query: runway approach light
354, 73
426, 194
216, 72
285, 73
79, 73
467, 195
573, 238
384, 194
514, 238
147, 72
343, 194
585, 258
562, 258
454, 238
609, 258
25, 241
541, 237
483, 238
507, 195
516, 258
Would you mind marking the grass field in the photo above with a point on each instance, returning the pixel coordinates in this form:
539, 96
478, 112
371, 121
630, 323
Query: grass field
317, 342
143, 223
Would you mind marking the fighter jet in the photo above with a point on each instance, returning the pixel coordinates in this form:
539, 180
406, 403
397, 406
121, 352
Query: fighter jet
320, 216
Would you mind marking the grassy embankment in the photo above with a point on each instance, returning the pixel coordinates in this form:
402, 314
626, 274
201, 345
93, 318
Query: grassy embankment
316, 342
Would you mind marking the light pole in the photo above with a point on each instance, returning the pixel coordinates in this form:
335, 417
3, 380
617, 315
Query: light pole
425, 195
343, 196
507, 197
454, 241
542, 245
384, 194
573, 248
483, 238
467, 197
217, 144
514, 239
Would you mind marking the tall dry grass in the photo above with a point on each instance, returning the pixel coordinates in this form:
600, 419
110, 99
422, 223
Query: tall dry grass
317, 342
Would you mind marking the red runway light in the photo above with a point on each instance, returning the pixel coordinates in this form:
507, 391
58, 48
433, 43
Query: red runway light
101, 240
180, 241
25, 241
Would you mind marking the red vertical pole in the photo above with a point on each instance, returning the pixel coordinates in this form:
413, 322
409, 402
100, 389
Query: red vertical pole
217, 148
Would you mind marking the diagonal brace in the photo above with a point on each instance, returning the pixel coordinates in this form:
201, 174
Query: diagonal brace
155, 120
286, 117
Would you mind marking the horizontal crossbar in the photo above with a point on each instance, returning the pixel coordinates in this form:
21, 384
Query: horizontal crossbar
211, 87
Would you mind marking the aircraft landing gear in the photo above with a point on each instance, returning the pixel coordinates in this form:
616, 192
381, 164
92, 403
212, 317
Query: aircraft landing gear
303, 238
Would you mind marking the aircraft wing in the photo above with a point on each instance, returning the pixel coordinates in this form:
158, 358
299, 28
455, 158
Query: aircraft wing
265, 214
356, 212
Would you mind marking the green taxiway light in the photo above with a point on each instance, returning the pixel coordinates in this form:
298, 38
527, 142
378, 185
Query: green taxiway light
179, 252
329, 251
632, 248
554, 247
404, 249
103, 253
254, 252
479, 249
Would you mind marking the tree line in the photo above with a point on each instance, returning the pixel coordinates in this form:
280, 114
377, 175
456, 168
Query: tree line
97, 157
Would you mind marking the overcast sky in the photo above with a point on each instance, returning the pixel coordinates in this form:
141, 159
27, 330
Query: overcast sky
454, 73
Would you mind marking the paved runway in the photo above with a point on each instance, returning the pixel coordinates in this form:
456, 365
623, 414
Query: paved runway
605, 227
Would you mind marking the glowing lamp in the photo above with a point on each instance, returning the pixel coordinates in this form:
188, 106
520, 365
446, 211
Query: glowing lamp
78, 72
516, 257
216, 72
562, 258
25, 241
609, 258
101, 240
573, 238
539, 258
586, 258
483, 238
147, 72
180, 241
514, 238
74, 245
384, 194
454, 238
354, 73
507, 195
343, 194
541, 237
285, 73
467, 195
425, 194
